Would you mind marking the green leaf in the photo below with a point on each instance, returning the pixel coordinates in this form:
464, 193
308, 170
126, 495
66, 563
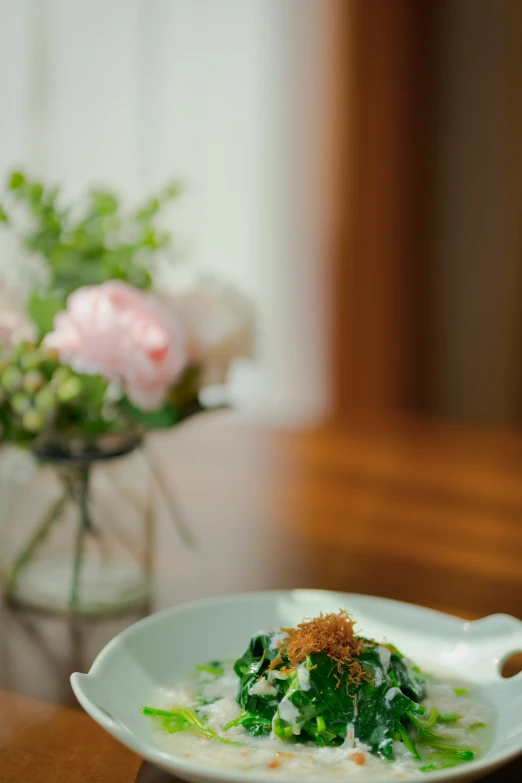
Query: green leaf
17, 180
161, 419
185, 392
375, 707
35, 192
449, 717
257, 725
173, 190
256, 658
183, 715
149, 210
428, 721
93, 390
175, 724
253, 663
3, 215
236, 722
42, 311
408, 742
213, 667
282, 729
93, 248
406, 679
103, 202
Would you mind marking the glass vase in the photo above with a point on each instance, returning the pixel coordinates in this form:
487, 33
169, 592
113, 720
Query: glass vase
76, 526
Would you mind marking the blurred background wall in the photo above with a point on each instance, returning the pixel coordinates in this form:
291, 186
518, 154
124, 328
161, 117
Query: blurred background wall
476, 228
429, 274
222, 94
355, 165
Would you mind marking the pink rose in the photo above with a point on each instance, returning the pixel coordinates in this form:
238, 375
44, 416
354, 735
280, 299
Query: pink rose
122, 334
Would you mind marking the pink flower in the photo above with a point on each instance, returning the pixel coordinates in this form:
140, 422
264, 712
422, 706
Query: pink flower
122, 334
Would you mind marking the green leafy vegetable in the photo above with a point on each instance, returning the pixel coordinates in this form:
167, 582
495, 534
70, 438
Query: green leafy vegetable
325, 707
212, 667
320, 700
322, 684
182, 718
450, 717
405, 737
426, 721
236, 722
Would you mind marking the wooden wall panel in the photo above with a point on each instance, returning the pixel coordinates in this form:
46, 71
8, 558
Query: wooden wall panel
378, 278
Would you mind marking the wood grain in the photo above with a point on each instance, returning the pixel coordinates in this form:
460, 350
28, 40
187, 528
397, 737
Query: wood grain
379, 312
44, 743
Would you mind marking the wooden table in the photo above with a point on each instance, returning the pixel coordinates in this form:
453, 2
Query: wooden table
414, 510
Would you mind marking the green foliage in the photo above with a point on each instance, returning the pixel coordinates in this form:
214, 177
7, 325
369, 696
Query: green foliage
325, 703
86, 243
373, 709
181, 398
449, 717
259, 709
42, 309
461, 691
407, 679
212, 667
182, 718
256, 659
163, 418
428, 719
382, 709
39, 396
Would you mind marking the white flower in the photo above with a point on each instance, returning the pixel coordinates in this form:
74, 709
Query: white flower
15, 326
219, 327
22, 221
20, 270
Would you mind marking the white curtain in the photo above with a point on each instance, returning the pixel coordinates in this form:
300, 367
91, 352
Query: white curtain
221, 93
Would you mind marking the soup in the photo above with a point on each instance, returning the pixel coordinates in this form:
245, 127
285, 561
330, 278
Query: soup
319, 702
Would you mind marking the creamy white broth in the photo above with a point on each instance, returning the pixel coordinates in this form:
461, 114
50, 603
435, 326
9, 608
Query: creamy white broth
283, 759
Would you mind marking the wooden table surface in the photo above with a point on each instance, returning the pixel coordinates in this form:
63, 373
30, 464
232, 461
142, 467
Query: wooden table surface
416, 510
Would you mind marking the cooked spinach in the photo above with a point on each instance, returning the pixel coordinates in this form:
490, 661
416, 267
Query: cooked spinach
182, 718
212, 667
317, 702
324, 685
329, 703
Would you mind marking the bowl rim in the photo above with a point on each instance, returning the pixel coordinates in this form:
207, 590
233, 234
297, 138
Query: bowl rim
171, 762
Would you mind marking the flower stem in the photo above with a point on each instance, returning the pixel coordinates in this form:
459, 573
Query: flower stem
36, 540
84, 524
182, 527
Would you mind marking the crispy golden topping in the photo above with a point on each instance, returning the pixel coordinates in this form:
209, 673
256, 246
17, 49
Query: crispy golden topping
332, 634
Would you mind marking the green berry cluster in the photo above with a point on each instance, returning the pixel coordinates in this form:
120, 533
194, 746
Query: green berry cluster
36, 392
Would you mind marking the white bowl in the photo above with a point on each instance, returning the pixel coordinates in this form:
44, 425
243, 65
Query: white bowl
164, 648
